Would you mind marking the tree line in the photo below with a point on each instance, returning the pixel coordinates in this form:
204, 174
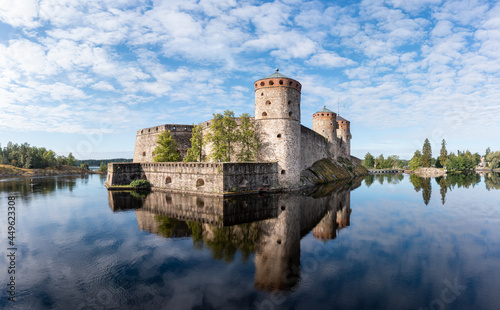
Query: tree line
32, 157
391, 162
461, 161
224, 136
29, 157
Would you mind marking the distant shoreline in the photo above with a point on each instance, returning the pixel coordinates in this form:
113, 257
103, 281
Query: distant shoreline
11, 171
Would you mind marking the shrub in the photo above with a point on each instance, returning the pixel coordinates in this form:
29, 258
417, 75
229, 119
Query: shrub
140, 184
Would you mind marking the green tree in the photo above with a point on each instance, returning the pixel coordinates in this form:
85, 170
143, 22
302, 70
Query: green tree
71, 160
425, 160
369, 161
488, 151
103, 167
247, 139
443, 153
415, 161
194, 153
379, 161
84, 166
222, 135
493, 159
166, 149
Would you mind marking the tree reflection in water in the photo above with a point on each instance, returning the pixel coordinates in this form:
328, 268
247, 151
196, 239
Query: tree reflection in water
269, 227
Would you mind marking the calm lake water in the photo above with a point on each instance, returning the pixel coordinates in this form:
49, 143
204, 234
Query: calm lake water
385, 242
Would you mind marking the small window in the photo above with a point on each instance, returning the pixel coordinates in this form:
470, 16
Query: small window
264, 114
290, 114
265, 180
142, 131
200, 203
200, 182
279, 241
279, 135
262, 83
168, 180
271, 83
289, 101
156, 128
255, 84
262, 94
149, 130
283, 171
290, 83
283, 208
143, 153
281, 82
168, 199
185, 128
268, 102
173, 128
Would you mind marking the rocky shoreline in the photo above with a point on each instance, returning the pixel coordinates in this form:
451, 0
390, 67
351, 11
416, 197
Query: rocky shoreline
11, 171
430, 172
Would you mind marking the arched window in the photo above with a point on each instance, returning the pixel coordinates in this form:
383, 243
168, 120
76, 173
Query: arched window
143, 153
200, 182
264, 114
168, 180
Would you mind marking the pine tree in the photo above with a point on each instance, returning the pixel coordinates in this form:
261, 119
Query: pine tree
425, 161
443, 154
194, 153
166, 150
247, 138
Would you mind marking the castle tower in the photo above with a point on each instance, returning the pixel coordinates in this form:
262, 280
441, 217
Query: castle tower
325, 123
344, 134
277, 121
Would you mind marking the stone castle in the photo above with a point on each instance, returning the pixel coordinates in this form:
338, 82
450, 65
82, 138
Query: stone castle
286, 148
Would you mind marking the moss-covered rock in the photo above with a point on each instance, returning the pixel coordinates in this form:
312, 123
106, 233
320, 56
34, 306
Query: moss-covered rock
327, 170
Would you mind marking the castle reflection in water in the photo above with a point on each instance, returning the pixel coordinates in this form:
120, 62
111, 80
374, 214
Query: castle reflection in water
270, 226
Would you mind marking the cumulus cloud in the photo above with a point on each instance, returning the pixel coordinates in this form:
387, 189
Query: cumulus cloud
384, 58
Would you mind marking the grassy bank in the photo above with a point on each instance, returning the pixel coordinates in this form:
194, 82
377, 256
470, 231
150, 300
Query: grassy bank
8, 170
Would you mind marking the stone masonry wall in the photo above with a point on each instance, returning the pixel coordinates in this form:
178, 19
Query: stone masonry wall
205, 178
314, 147
145, 141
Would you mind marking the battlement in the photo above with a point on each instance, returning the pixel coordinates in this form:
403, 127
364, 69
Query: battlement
277, 82
172, 127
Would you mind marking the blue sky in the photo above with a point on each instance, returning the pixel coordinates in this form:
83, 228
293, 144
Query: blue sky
84, 76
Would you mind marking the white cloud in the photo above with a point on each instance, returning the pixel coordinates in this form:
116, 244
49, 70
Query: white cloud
19, 13
330, 60
104, 86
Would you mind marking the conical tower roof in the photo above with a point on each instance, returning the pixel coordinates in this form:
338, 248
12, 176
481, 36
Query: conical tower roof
325, 110
276, 75
340, 118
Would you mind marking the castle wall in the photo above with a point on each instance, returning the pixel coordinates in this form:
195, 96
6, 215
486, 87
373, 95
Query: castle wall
313, 147
205, 178
145, 141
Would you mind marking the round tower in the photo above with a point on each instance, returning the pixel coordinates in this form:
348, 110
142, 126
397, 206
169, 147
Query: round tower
325, 123
344, 134
277, 121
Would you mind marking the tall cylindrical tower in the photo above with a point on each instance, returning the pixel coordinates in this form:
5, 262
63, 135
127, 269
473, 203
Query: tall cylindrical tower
277, 122
344, 134
325, 123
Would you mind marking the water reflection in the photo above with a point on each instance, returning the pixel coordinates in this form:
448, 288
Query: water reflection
451, 181
268, 226
381, 178
24, 187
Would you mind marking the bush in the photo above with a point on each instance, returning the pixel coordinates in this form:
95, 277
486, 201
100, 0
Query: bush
140, 184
